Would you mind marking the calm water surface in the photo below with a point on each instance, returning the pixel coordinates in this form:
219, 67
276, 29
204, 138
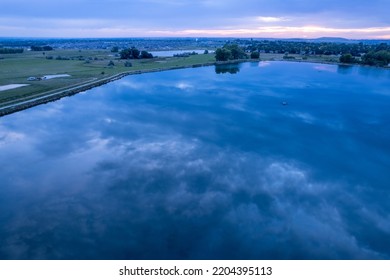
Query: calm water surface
203, 163
172, 53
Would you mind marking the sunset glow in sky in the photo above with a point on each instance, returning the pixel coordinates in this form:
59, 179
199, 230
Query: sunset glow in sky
356, 19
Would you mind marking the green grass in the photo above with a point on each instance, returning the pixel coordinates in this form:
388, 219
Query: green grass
298, 57
16, 68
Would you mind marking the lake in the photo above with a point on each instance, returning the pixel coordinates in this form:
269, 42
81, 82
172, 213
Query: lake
269, 160
172, 53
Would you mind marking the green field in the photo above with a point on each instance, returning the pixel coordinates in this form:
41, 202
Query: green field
82, 66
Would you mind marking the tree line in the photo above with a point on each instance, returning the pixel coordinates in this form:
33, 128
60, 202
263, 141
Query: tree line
234, 51
41, 48
372, 58
312, 48
361, 53
133, 53
366, 54
11, 50
230, 52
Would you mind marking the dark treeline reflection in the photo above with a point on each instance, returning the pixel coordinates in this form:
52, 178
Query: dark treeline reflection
233, 68
345, 69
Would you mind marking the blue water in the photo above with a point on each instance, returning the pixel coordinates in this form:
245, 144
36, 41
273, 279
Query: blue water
203, 163
172, 53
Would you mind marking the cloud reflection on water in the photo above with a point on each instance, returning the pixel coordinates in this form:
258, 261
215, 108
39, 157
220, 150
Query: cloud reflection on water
167, 175
221, 200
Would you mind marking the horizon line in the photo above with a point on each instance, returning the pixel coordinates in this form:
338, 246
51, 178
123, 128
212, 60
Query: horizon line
198, 37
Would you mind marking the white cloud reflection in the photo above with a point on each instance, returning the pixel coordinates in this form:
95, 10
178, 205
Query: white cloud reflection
151, 178
264, 64
184, 85
182, 181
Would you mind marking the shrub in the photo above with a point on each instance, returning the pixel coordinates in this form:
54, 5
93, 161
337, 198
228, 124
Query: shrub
255, 55
347, 58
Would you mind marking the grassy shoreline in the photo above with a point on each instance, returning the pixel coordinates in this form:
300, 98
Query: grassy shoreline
96, 73
35, 100
87, 69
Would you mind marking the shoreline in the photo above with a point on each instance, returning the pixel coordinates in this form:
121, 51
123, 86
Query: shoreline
44, 98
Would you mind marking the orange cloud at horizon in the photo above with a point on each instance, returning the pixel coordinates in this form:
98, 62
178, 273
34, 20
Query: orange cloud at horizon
95, 28
283, 32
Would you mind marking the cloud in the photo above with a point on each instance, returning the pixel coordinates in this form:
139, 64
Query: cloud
195, 18
271, 19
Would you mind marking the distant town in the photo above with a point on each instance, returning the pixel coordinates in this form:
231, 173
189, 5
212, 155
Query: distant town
349, 51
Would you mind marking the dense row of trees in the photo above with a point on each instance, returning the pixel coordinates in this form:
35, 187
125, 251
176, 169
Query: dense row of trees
367, 54
230, 52
41, 48
11, 50
379, 58
311, 48
133, 53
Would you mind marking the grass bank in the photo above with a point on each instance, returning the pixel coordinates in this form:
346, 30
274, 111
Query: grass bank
87, 69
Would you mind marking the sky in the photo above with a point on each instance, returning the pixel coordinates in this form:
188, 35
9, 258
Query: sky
353, 19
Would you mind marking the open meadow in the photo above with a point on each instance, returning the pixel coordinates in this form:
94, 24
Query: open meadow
82, 66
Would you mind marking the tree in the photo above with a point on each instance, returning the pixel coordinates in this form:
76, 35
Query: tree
132, 53
39, 48
222, 54
229, 52
236, 51
135, 53
347, 58
145, 54
47, 48
380, 58
383, 56
10, 50
115, 49
111, 63
125, 54
255, 55
381, 47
